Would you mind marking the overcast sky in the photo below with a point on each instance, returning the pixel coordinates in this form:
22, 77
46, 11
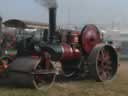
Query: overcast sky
77, 12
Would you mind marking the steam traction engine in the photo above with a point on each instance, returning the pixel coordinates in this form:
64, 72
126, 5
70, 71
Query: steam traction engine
38, 63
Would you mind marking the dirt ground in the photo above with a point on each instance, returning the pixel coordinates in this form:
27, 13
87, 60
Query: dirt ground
123, 69
116, 87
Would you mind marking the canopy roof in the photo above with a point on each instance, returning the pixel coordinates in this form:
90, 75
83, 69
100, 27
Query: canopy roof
24, 24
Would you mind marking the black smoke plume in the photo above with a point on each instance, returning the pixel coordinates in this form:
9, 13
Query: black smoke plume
48, 3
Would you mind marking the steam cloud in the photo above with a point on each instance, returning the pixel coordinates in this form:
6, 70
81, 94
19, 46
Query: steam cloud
48, 3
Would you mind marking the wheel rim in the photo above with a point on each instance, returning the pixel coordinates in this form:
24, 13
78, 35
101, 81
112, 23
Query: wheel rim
105, 64
44, 77
44, 81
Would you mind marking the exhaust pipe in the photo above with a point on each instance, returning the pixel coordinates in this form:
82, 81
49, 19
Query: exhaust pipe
0, 25
52, 25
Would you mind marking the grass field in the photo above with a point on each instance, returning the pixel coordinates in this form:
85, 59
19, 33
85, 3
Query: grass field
116, 87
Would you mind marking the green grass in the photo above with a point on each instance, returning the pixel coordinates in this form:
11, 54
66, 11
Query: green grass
116, 87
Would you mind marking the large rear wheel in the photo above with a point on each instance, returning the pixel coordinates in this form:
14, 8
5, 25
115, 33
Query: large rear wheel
103, 62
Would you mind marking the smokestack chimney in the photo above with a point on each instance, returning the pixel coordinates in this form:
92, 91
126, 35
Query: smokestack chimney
52, 24
0, 24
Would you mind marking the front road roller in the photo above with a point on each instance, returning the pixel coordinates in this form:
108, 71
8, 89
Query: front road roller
30, 72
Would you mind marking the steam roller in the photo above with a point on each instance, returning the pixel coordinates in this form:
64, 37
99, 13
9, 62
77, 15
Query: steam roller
37, 63
83, 55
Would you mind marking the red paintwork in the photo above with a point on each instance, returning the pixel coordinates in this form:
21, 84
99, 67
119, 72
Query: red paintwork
47, 60
73, 37
76, 53
34, 55
3, 66
70, 53
90, 37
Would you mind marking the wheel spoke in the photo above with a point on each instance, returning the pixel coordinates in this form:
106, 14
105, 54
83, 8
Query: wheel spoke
106, 56
108, 66
104, 64
104, 75
45, 74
